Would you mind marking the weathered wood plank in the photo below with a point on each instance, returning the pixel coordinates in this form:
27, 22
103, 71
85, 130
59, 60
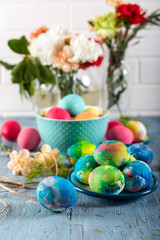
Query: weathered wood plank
91, 218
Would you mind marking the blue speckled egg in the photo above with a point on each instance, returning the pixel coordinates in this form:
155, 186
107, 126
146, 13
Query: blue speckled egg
138, 176
141, 152
56, 194
73, 103
83, 167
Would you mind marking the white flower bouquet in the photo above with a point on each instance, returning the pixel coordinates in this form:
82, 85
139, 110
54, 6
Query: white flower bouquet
52, 56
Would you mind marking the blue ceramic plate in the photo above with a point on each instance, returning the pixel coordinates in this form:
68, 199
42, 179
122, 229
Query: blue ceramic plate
124, 195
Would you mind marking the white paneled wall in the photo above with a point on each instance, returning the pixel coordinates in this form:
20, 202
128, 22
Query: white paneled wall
20, 17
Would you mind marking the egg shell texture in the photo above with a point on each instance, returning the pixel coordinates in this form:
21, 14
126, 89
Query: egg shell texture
93, 110
83, 167
80, 149
106, 180
141, 152
10, 130
112, 153
73, 103
85, 116
28, 138
56, 194
113, 123
121, 133
138, 129
58, 113
138, 176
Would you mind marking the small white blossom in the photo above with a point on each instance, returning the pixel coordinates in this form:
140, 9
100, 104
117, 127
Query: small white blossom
85, 50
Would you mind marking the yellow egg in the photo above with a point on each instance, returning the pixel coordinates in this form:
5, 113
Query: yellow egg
45, 113
138, 129
93, 110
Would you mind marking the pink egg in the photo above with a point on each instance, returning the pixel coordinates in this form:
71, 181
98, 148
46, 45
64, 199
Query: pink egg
28, 138
58, 113
10, 130
112, 124
121, 133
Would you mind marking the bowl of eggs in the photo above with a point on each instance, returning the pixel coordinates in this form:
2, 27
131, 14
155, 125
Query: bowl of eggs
71, 122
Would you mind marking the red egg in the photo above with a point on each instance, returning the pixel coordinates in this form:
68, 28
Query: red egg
121, 133
28, 138
10, 130
112, 124
58, 113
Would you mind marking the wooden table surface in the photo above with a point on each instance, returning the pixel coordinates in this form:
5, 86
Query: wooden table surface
91, 218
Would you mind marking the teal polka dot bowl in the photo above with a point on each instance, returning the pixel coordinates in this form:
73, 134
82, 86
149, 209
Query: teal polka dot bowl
62, 134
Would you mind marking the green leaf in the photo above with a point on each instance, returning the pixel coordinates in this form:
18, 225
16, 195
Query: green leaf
27, 71
16, 80
34, 67
19, 45
45, 75
91, 23
18, 70
31, 88
6, 65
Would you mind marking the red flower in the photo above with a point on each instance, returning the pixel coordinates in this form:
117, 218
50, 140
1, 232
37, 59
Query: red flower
94, 63
132, 12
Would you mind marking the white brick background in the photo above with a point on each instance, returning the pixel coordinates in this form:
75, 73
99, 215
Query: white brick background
20, 17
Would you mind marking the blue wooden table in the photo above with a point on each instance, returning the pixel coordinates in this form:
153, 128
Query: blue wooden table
91, 218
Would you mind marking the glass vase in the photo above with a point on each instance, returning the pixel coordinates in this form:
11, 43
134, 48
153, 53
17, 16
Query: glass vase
45, 96
118, 82
65, 83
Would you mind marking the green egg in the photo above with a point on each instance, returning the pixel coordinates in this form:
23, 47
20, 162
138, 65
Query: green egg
112, 153
80, 149
83, 167
106, 180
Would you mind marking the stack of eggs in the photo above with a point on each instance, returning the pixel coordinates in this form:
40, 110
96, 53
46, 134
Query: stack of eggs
133, 131
72, 107
110, 167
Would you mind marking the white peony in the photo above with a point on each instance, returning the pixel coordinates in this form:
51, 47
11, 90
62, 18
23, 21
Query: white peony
46, 46
62, 31
85, 50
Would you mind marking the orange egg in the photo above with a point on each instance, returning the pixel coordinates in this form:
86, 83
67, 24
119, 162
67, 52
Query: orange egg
85, 116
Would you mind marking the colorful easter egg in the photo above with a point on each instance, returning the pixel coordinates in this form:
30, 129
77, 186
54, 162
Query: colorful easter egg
141, 152
58, 113
138, 129
28, 138
112, 124
93, 110
138, 176
85, 116
83, 167
78, 150
112, 153
120, 133
10, 130
56, 194
106, 180
73, 103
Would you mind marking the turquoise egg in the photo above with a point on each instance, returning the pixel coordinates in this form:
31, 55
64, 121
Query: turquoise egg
138, 176
78, 150
73, 103
83, 167
106, 180
56, 194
